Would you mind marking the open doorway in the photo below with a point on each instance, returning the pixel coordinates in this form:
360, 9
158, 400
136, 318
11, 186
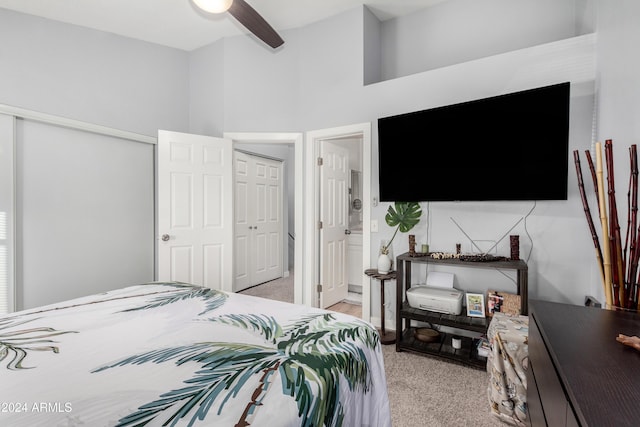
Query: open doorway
286, 147
340, 230
306, 190
357, 140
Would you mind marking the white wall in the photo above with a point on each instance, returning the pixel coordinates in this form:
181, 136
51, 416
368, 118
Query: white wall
456, 31
372, 48
96, 77
330, 92
316, 81
260, 86
555, 270
206, 89
331, 72
100, 78
618, 92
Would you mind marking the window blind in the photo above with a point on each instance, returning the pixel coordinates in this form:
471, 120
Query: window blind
7, 195
4, 271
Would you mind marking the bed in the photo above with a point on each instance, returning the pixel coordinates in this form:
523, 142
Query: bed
178, 354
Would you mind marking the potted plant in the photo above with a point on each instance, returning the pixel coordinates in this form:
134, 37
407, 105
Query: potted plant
404, 216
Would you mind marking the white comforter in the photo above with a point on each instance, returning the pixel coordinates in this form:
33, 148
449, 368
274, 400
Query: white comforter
176, 354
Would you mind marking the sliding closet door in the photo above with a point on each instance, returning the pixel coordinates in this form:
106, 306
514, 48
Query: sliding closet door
85, 213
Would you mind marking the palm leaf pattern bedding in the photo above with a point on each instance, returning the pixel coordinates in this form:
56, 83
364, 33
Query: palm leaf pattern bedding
175, 354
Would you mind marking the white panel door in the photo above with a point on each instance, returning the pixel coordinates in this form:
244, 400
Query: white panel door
258, 220
195, 209
334, 183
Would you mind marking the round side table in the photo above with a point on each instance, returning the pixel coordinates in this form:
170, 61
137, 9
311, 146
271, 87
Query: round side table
385, 337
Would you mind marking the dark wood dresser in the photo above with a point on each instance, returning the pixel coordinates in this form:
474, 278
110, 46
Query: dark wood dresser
579, 375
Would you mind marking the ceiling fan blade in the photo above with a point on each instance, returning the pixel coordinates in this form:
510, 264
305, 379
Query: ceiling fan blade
255, 23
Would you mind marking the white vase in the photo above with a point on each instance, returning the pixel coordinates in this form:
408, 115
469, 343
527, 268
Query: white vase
384, 264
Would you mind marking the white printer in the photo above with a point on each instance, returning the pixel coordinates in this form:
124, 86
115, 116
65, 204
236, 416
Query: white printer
438, 294
442, 300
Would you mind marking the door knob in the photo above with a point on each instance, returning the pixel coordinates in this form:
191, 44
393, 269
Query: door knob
165, 237
347, 231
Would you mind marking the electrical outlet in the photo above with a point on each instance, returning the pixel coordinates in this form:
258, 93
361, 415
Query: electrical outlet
374, 225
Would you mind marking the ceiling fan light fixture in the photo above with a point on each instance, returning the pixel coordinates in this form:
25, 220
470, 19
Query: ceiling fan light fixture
213, 6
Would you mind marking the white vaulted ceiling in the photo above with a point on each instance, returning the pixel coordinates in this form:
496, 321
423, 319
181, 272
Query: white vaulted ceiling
178, 23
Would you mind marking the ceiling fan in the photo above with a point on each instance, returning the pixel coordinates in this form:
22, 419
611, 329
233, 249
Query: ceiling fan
246, 15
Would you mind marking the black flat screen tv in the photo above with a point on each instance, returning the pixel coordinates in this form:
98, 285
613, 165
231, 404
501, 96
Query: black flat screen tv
512, 147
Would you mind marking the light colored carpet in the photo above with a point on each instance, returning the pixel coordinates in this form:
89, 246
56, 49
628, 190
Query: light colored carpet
423, 391
279, 290
428, 392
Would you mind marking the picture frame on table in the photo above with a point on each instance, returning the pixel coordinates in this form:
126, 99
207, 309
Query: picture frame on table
475, 304
494, 302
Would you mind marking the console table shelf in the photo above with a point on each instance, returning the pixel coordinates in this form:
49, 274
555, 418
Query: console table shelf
442, 349
467, 354
476, 324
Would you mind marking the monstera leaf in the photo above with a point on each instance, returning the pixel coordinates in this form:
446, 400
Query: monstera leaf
404, 216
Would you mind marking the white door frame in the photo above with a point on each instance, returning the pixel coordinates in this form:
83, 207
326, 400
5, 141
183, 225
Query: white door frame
312, 185
296, 139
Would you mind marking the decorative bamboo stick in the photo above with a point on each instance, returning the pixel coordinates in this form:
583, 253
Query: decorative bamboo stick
627, 238
632, 260
614, 229
605, 228
627, 250
587, 211
592, 169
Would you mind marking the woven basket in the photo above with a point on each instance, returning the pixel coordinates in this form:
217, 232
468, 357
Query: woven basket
426, 334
